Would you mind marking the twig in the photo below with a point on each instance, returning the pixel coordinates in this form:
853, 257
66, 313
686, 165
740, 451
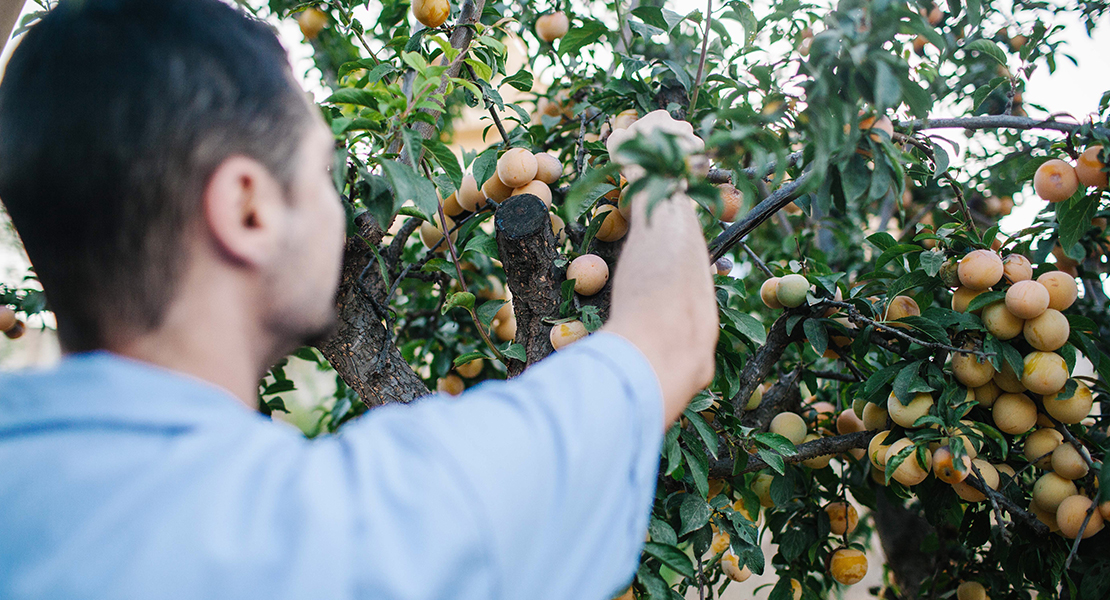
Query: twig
347, 17
461, 37
762, 211
430, 254
1079, 536
911, 225
1029, 518
761, 363
492, 110
701, 59
725, 176
397, 246
994, 504
580, 158
1075, 443
834, 376
462, 284
952, 183
855, 316
852, 366
822, 447
758, 261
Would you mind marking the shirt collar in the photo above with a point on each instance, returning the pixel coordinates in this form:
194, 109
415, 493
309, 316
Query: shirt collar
104, 387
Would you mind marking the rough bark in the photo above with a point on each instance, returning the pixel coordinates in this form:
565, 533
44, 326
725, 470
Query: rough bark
901, 531
527, 249
362, 349
760, 365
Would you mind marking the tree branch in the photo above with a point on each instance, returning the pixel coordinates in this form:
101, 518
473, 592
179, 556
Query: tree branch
760, 365
723, 467
855, 316
996, 122
362, 349
762, 211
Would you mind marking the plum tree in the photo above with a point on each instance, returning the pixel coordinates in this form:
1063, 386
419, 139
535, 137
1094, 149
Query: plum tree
867, 260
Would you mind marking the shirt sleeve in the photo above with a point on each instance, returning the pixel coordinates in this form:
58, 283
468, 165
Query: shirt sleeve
538, 487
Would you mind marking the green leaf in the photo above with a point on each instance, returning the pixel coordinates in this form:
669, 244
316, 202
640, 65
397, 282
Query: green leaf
775, 442
276, 404
931, 262
644, 30
773, 460
408, 185
888, 90
460, 299
925, 326
988, 48
882, 240
746, 324
439, 264
469, 356
662, 532
984, 300
699, 470
895, 251
352, 96
446, 160
513, 350
481, 70
893, 462
585, 191
694, 513
578, 37
655, 585
484, 165
818, 337
1075, 216
307, 353
482, 243
671, 556
521, 80
680, 73
488, 309
909, 382
704, 431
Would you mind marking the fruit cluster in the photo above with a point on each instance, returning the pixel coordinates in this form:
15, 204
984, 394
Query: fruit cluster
1056, 180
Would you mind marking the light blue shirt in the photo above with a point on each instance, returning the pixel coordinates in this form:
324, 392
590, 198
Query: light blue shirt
119, 479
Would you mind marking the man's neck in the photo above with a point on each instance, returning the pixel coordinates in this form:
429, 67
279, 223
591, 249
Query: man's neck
208, 333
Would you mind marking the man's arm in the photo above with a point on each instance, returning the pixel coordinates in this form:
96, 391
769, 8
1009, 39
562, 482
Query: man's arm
539, 487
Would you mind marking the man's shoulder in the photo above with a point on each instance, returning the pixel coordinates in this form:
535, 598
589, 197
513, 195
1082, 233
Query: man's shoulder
100, 389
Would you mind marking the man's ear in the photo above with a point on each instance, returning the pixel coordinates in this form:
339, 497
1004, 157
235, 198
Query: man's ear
244, 211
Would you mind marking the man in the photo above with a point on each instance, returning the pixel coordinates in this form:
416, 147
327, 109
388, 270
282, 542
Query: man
170, 184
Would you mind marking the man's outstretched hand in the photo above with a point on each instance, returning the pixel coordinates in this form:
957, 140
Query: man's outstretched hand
663, 300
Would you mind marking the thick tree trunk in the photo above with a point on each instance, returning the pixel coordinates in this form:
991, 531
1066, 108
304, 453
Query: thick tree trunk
901, 532
526, 246
362, 350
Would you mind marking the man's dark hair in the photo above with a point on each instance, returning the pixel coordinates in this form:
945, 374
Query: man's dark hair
114, 114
